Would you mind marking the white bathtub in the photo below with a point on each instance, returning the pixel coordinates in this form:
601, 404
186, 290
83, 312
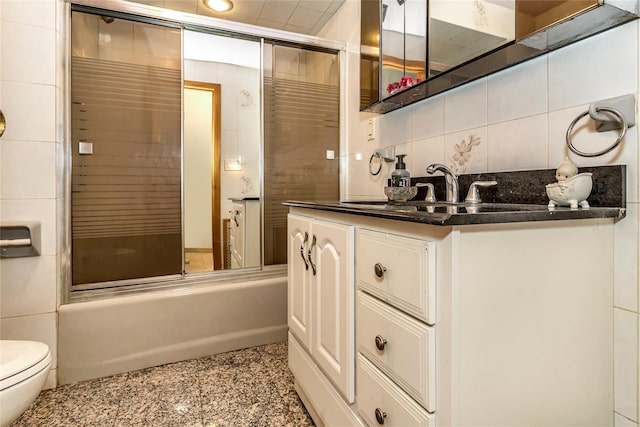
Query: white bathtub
121, 334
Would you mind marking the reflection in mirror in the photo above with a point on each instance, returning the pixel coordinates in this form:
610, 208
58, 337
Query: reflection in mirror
534, 15
221, 152
201, 154
465, 29
369, 52
403, 44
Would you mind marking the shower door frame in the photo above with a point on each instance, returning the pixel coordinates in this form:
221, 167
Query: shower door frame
183, 21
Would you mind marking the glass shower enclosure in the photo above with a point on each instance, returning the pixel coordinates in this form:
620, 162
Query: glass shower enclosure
129, 171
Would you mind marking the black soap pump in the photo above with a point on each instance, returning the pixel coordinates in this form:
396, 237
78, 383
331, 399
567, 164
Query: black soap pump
400, 177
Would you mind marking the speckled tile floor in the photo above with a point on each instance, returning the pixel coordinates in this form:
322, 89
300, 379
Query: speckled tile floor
251, 387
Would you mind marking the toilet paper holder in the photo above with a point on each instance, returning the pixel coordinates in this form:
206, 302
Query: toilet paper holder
19, 239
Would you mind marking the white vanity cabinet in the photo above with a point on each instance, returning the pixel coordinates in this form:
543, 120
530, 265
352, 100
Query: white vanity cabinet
321, 296
478, 325
244, 236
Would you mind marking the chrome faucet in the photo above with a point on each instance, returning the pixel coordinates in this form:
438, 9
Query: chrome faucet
450, 177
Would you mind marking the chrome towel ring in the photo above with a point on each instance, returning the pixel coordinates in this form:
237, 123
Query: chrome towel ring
620, 118
374, 155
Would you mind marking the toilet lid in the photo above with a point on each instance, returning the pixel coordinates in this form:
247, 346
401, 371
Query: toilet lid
18, 356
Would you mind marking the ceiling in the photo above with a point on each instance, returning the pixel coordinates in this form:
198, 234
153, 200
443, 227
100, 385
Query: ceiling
298, 16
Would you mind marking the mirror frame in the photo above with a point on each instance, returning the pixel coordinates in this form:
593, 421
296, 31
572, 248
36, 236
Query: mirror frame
587, 23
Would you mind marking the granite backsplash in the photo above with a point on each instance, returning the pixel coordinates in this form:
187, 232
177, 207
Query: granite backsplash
609, 186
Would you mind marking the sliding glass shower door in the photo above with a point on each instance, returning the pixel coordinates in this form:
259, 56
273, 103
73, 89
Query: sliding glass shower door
126, 149
302, 136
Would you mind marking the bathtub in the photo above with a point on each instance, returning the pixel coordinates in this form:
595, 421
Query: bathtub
126, 333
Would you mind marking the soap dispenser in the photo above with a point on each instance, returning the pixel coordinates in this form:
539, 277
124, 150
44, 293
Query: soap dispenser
400, 177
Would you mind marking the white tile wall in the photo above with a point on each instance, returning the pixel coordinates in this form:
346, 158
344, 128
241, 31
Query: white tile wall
600, 67
28, 286
26, 169
626, 256
518, 92
39, 65
33, 12
465, 107
395, 127
626, 363
620, 421
29, 110
425, 152
29, 95
427, 118
527, 137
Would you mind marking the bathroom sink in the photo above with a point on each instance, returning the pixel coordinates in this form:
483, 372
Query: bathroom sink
444, 207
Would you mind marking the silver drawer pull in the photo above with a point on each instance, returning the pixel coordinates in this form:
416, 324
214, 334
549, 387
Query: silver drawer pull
306, 237
380, 342
313, 243
379, 269
380, 416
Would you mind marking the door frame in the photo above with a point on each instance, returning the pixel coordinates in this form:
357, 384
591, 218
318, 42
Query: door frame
216, 226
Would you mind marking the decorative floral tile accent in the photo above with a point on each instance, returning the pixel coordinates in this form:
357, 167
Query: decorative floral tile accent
247, 99
460, 160
481, 15
247, 185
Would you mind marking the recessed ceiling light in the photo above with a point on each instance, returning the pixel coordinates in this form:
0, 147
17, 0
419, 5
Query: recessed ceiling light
219, 5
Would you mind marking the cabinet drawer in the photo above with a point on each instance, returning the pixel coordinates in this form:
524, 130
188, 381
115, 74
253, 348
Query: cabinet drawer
408, 347
376, 393
399, 270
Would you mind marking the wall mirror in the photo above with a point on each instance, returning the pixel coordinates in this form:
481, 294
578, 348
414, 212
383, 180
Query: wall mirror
222, 146
464, 40
466, 29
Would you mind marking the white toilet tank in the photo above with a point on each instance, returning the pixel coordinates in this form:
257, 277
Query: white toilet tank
24, 366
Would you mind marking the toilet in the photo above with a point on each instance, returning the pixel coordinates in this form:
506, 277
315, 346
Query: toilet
24, 366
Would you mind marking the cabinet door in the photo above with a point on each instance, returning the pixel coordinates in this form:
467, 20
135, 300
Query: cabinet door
299, 288
333, 303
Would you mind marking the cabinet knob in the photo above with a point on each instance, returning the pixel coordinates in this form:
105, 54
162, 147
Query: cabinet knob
380, 416
379, 269
380, 342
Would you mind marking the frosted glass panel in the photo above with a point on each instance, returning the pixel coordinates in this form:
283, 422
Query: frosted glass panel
125, 115
302, 123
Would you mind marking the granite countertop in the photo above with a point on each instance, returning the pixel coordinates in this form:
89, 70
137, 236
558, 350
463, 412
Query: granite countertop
519, 197
459, 214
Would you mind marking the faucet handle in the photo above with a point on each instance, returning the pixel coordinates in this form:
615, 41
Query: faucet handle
430, 194
473, 195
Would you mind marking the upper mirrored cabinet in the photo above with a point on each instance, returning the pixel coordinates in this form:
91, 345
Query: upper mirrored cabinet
414, 49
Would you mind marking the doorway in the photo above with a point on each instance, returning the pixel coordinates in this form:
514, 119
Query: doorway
203, 229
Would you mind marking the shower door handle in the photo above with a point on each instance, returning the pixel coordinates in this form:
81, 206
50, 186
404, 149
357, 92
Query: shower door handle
313, 243
306, 237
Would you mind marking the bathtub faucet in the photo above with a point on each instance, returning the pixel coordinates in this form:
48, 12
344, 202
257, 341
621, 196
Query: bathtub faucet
450, 177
